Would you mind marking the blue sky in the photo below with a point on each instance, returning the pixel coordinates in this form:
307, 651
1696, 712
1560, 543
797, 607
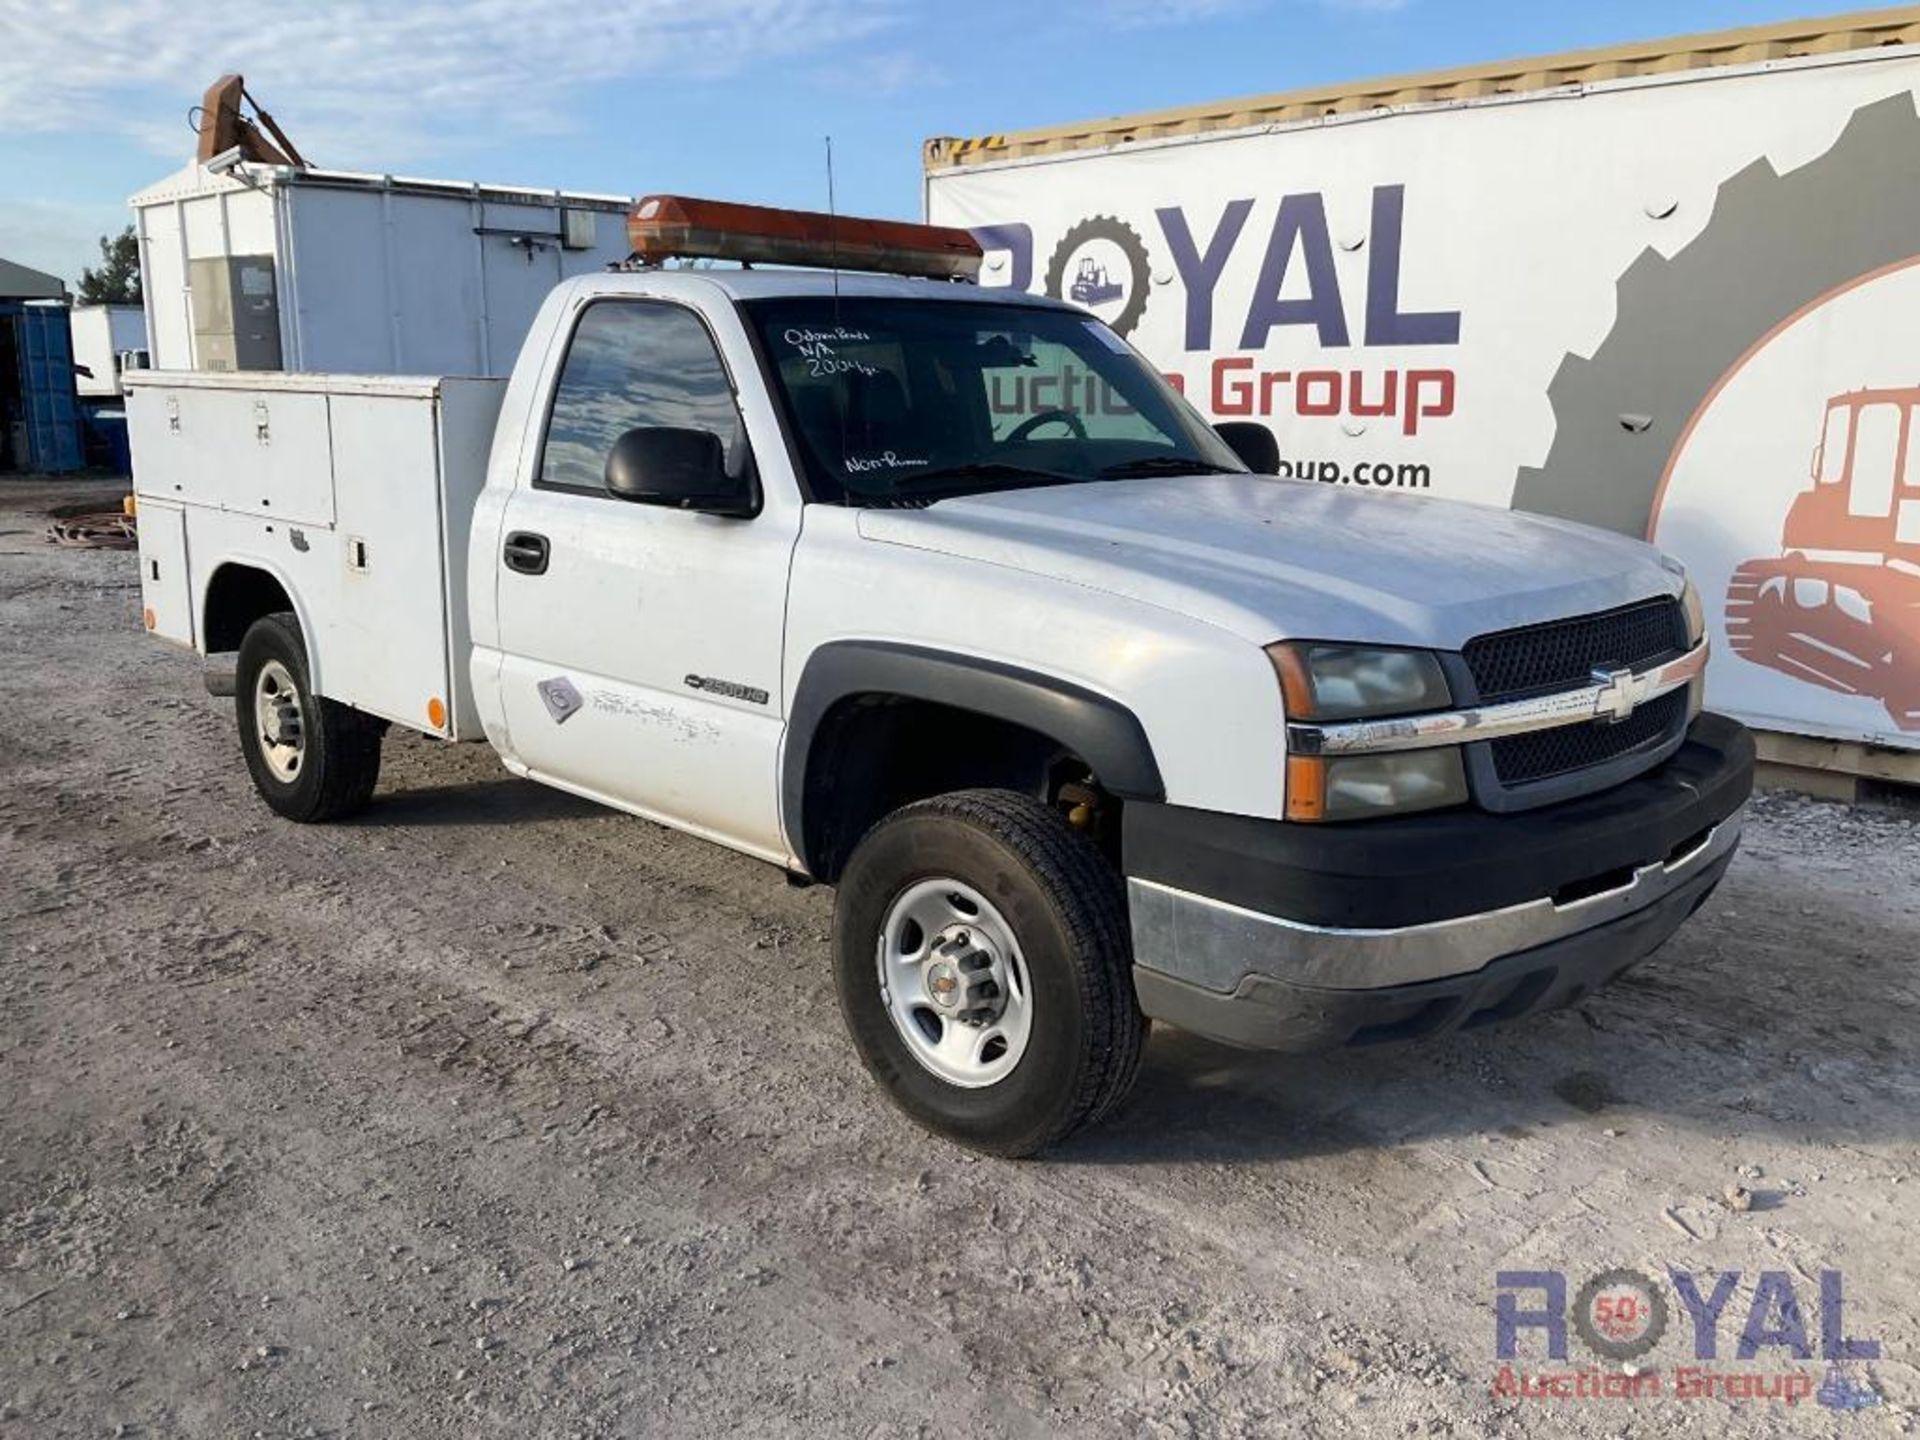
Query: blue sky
720, 97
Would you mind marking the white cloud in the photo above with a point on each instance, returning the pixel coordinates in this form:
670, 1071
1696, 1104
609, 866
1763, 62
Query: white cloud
1141, 14
893, 72
368, 83
59, 237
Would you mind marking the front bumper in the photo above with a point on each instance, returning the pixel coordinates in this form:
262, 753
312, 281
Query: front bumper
1294, 937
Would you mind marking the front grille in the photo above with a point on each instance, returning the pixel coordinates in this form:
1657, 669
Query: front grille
1563, 654
1543, 754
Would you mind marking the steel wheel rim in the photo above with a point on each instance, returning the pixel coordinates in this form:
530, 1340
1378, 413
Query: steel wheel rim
945, 952
279, 720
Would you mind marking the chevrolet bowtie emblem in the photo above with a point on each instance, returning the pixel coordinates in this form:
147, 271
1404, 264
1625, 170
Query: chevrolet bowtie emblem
1621, 692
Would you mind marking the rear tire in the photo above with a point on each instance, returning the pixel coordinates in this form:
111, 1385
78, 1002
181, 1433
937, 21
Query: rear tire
1050, 913
311, 759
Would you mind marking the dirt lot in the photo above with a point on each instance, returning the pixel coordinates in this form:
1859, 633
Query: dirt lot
495, 1113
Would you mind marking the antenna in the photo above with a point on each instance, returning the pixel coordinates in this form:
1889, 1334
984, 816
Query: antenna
833, 256
833, 233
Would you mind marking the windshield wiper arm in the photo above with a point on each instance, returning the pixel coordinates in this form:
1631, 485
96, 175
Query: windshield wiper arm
1148, 465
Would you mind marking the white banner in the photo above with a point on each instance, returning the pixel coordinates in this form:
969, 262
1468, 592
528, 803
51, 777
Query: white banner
1678, 307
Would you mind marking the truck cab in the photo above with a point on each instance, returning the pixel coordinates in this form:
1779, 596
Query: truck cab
943, 596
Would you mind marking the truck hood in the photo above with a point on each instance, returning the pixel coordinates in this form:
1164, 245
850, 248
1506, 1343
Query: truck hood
1277, 559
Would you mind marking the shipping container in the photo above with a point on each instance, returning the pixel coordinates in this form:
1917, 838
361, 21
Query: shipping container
39, 411
282, 268
1661, 288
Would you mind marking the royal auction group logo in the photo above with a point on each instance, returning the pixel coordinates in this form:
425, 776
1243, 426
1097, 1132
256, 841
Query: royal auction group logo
1620, 1314
1785, 1352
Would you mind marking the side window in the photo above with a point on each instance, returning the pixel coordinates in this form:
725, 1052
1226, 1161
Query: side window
1876, 442
633, 363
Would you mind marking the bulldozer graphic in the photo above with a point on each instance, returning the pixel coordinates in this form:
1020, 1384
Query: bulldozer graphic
1092, 285
1840, 606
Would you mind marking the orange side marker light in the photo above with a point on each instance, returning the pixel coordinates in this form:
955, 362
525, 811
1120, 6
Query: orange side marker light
1306, 788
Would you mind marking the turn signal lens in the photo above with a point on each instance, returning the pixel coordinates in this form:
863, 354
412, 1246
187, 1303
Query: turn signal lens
1347, 682
1306, 788
1352, 787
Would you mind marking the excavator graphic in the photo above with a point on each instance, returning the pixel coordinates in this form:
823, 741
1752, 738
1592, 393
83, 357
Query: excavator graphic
1840, 606
1091, 284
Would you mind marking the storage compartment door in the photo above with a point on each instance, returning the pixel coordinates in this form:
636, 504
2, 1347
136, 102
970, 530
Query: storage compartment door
263, 452
386, 644
166, 599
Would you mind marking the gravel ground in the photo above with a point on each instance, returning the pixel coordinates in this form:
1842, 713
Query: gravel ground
496, 1113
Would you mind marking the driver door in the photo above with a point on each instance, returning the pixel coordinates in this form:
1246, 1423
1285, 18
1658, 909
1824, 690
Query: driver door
641, 645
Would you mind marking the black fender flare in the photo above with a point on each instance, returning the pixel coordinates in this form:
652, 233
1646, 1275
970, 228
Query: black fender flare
1096, 727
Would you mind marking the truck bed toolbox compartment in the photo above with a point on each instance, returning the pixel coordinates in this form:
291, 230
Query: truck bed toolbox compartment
356, 493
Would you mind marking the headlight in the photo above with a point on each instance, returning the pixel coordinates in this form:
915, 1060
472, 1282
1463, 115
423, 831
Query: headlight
1349, 682
1351, 787
1696, 614
1325, 683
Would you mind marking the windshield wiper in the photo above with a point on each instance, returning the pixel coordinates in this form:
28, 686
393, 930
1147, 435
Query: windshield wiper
1148, 465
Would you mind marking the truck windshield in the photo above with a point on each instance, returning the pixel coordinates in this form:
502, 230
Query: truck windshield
904, 402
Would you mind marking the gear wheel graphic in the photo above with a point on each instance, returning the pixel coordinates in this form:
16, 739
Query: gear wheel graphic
1603, 1345
1118, 233
1774, 243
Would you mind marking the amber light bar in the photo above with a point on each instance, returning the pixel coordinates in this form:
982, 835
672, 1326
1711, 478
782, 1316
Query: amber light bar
664, 227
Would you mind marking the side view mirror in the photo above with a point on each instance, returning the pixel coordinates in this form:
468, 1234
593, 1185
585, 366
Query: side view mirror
1253, 443
680, 468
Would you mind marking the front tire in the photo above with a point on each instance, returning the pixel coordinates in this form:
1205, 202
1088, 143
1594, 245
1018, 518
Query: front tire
982, 959
311, 759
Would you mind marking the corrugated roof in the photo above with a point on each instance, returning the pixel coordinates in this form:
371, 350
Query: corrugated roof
1819, 36
17, 282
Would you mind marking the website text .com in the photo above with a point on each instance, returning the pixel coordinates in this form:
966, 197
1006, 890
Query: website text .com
1384, 473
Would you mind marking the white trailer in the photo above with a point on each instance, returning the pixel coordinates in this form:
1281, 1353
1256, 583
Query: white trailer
1636, 287
106, 339
283, 268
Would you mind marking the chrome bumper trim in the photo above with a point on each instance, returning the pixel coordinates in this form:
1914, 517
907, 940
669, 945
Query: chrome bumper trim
1216, 945
1615, 695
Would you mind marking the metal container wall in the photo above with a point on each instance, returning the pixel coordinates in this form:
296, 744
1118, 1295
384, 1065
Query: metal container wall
370, 274
46, 429
1667, 290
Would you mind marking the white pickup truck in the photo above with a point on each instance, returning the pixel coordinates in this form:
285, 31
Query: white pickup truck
941, 595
